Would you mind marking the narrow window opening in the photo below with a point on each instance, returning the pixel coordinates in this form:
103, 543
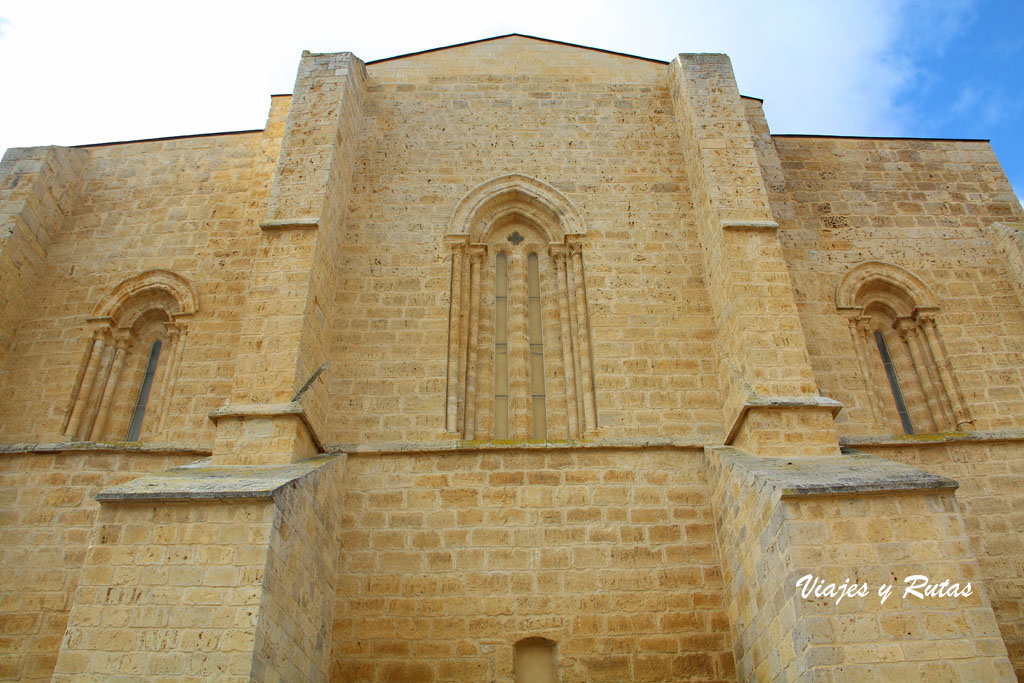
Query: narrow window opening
501, 347
536, 350
894, 384
147, 385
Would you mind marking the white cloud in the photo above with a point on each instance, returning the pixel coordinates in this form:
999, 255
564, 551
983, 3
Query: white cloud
74, 72
966, 100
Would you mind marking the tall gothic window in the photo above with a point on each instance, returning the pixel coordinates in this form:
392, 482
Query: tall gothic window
502, 344
519, 353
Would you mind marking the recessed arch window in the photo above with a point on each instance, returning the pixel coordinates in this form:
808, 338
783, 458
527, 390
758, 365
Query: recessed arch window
909, 381
513, 326
132, 353
519, 357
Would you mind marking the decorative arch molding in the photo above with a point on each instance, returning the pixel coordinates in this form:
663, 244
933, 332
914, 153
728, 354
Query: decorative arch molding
891, 313
522, 218
144, 319
874, 282
494, 201
154, 289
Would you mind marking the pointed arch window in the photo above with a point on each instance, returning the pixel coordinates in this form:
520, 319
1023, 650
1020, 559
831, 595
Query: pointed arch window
519, 354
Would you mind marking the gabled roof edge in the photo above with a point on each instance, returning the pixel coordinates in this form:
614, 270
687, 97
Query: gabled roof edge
519, 35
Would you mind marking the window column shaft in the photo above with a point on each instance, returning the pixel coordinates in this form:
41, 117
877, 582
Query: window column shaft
501, 346
536, 348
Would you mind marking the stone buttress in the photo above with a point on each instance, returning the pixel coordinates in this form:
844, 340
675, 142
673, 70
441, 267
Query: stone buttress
786, 502
227, 569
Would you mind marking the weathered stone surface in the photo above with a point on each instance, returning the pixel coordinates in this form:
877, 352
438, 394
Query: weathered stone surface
853, 519
852, 472
101, 447
328, 285
200, 480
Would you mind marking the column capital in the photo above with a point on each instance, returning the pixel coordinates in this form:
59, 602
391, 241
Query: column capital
100, 327
477, 252
862, 323
558, 250
173, 329
906, 327
456, 243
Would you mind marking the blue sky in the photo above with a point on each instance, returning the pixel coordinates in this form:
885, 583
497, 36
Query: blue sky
76, 73
966, 70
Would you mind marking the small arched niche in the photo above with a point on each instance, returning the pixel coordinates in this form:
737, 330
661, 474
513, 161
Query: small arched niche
535, 661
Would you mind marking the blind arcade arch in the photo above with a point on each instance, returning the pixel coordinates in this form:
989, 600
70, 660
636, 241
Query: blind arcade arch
517, 236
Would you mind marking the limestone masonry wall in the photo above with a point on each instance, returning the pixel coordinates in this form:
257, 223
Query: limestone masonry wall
991, 497
178, 205
858, 537
47, 515
293, 641
39, 188
923, 205
762, 354
448, 560
1009, 242
723, 321
884, 539
603, 136
169, 593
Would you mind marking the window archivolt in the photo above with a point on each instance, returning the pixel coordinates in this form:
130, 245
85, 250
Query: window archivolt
519, 359
891, 314
130, 361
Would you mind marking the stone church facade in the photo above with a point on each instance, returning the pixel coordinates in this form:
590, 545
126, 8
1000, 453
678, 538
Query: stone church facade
514, 361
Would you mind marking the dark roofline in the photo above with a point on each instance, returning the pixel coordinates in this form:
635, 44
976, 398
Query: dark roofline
876, 137
774, 135
523, 35
745, 97
169, 137
520, 35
